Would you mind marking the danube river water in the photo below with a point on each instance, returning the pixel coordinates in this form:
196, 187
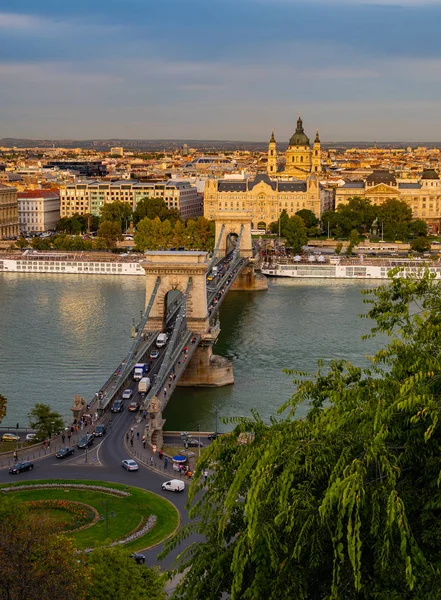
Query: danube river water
63, 335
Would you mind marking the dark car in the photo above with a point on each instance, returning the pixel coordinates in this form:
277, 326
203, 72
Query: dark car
63, 452
86, 441
21, 466
117, 406
100, 430
139, 558
214, 436
133, 406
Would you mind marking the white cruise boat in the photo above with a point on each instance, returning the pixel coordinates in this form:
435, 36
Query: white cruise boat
78, 263
340, 268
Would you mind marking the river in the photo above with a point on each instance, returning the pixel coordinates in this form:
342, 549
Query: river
63, 335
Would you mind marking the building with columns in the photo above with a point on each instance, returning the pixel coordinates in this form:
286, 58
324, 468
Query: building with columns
8, 212
300, 159
265, 197
422, 196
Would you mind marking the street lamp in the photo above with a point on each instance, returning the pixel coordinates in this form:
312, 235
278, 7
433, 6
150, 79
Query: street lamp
199, 441
106, 517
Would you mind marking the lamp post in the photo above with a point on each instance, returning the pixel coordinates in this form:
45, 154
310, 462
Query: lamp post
106, 516
382, 231
199, 441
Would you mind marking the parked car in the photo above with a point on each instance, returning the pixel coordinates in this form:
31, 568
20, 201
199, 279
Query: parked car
174, 485
130, 465
100, 430
63, 452
86, 440
117, 406
193, 443
133, 406
127, 394
21, 466
10, 437
154, 354
214, 436
31, 437
139, 558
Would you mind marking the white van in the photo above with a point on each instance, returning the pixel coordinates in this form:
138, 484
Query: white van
161, 340
174, 485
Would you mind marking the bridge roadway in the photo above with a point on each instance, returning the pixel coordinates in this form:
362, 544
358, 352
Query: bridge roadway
109, 452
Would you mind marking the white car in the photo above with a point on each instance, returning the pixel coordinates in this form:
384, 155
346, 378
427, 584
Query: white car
130, 465
31, 437
174, 485
127, 394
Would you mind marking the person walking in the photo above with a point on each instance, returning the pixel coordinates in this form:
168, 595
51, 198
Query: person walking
127, 436
131, 442
205, 475
69, 435
151, 459
137, 435
15, 455
166, 463
63, 437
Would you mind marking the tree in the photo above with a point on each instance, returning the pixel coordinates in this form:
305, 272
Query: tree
116, 576
396, 216
41, 243
295, 234
116, 212
45, 421
418, 228
35, 562
110, 233
345, 502
358, 213
22, 243
308, 218
3, 404
152, 208
420, 244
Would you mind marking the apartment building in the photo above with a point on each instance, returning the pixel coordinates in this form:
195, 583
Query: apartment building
90, 197
8, 212
38, 210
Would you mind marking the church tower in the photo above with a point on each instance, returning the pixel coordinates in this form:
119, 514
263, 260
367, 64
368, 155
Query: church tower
272, 156
299, 154
316, 155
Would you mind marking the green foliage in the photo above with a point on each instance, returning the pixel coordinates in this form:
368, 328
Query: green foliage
154, 234
41, 243
420, 244
35, 563
110, 233
308, 217
152, 208
339, 248
418, 228
345, 502
116, 576
22, 243
45, 421
397, 217
3, 404
116, 212
295, 234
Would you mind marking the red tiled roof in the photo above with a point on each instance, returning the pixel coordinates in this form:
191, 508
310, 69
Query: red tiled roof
38, 194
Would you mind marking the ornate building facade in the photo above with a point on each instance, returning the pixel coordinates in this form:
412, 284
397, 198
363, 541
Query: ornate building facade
300, 159
423, 196
265, 198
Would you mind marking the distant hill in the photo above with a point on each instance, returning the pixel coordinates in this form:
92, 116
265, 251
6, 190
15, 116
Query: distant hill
202, 145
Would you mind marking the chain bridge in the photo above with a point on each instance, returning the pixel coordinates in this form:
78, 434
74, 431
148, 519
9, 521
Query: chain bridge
184, 291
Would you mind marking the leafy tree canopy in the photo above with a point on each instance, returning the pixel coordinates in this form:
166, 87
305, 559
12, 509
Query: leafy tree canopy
116, 576
154, 234
3, 405
36, 563
295, 233
345, 502
152, 208
110, 233
308, 217
116, 212
45, 420
420, 244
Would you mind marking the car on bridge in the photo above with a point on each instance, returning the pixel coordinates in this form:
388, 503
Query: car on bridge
20, 467
127, 394
117, 406
63, 452
193, 443
100, 430
133, 406
86, 441
10, 437
154, 354
130, 465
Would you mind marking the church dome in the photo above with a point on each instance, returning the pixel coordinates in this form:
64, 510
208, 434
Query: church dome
429, 174
299, 138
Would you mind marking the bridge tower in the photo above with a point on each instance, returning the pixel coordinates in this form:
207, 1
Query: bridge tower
231, 224
174, 269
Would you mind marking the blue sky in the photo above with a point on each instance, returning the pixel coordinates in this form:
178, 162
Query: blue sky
230, 69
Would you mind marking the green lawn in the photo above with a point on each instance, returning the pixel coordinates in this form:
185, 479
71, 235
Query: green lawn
128, 512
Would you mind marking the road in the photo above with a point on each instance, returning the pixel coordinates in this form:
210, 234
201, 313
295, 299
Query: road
104, 464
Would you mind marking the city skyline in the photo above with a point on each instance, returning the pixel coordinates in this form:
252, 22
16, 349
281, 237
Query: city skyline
359, 70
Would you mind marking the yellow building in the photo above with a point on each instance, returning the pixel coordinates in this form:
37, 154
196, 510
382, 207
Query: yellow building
265, 198
300, 159
8, 212
423, 196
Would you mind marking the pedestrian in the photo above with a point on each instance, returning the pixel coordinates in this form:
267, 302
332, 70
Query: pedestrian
137, 435
72, 428
48, 443
160, 454
63, 437
151, 459
166, 463
205, 474
131, 442
131, 430
127, 436
69, 435
15, 455
143, 443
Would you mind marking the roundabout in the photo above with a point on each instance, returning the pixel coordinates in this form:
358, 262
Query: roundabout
96, 512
